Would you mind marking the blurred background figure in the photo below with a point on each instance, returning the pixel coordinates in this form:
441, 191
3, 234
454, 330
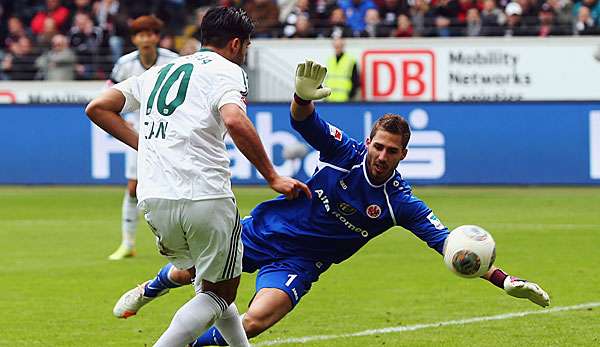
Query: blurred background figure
342, 74
355, 11
86, 40
514, 26
55, 10
473, 23
373, 25
300, 9
337, 25
585, 24
404, 27
265, 15
57, 64
19, 61
303, 28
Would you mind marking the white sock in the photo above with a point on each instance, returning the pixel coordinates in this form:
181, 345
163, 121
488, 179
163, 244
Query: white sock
192, 320
230, 326
129, 220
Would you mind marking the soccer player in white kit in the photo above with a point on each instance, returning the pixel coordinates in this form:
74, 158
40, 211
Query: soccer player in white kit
187, 107
145, 35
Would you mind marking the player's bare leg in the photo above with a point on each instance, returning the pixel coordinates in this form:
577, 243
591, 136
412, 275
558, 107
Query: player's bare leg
129, 222
269, 306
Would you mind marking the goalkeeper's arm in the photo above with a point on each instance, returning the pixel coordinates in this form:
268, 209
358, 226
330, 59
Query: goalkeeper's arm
518, 287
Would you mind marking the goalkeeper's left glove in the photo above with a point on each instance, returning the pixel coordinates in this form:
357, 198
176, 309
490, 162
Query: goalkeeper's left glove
520, 288
309, 80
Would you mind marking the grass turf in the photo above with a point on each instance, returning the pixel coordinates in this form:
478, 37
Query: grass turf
57, 288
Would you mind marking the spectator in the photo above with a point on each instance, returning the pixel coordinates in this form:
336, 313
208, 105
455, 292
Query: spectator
592, 5
113, 21
301, 8
337, 25
342, 74
54, 10
193, 29
19, 63
492, 19
563, 10
548, 25
473, 23
585, 24
303, 28
16, 30
463, 7
80, 6
168, 42
373, 26
190, 46
320, 11
58, 64
443, 14
403, 28
86, 40
355, 11
172, 12
514, 25
265, 14
420, 20
528, 13
43, 39
390, 10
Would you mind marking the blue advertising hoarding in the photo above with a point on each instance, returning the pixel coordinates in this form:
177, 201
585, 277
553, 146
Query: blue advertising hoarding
473, 143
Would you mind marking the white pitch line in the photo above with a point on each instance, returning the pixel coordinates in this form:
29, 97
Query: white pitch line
400, 329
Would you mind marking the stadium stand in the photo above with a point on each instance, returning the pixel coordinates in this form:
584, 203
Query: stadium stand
32, 32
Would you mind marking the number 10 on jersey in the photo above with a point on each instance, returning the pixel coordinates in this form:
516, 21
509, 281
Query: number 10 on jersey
162, 89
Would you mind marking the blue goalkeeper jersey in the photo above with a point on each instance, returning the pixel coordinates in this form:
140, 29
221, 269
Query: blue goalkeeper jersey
346, 210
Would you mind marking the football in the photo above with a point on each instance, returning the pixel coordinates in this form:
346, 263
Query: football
469, 251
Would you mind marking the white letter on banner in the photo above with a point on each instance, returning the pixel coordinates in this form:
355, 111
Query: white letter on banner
595, 144
426, 157
103, 145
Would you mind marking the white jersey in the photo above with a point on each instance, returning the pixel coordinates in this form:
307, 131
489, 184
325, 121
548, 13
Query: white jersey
181, 150
130, 64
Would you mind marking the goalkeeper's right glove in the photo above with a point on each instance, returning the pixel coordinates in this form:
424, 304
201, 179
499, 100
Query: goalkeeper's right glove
520, 288
309, 80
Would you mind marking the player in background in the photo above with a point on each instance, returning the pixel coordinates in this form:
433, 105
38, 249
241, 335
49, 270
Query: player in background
357, 195
187, 108
145, 35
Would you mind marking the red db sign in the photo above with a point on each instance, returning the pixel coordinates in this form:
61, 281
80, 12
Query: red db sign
393, 75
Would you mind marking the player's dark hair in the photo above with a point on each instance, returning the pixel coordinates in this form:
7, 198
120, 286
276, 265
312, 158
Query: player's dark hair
222, 24
146, 23
392, 123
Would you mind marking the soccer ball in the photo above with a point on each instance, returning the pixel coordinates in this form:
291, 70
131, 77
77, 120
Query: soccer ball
296, 150
469, 251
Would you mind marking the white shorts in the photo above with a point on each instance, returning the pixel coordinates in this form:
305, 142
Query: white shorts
131, 154
205, 234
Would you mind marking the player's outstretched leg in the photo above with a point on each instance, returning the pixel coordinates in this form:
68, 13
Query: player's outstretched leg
129, 222
132, 301
269, 306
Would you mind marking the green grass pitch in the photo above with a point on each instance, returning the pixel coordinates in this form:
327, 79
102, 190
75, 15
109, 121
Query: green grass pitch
57, 288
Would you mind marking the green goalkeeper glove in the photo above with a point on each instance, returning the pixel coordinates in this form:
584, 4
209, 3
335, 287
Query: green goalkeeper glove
309, 80
520, 288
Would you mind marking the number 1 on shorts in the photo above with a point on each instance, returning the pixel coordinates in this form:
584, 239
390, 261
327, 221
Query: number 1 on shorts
290, 280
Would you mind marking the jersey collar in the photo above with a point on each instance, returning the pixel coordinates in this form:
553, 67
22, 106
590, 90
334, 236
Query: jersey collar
364, 165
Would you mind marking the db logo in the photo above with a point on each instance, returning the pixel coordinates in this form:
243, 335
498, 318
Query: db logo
393, 75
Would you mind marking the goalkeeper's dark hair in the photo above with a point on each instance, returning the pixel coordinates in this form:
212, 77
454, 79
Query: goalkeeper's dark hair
392, 123
222, 24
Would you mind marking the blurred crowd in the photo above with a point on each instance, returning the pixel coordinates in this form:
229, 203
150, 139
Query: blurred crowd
81, 39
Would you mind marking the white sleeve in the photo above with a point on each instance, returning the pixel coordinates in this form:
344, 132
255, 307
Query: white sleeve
131, 91
232, 97
232, 88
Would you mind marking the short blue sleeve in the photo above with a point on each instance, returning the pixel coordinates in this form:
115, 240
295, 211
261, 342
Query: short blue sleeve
334, 146
414, 215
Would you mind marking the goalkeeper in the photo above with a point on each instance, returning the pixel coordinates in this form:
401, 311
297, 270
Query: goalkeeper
357, 195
